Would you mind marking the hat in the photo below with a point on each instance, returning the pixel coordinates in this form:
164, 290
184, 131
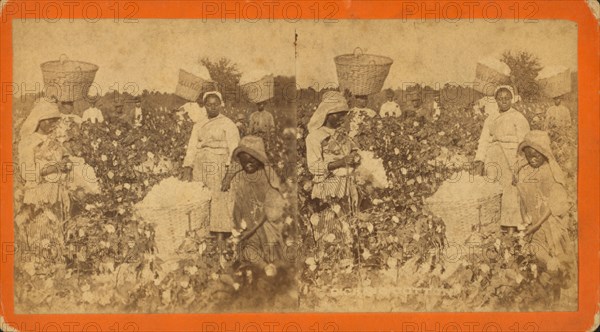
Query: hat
254, 146
137, 99
240, 116
540, 141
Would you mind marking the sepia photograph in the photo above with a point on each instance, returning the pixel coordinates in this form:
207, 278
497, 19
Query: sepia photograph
155, 167
156, 180
438, 167
298, 166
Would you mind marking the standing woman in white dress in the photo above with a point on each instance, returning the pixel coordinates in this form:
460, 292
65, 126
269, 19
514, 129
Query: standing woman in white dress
208, 158
496, 156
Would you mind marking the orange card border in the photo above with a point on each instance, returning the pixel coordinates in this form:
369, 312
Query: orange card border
588, 177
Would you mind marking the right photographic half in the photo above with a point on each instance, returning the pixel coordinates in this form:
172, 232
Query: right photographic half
437, 165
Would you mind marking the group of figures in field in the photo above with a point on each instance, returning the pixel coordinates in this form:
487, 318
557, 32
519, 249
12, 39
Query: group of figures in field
85, 175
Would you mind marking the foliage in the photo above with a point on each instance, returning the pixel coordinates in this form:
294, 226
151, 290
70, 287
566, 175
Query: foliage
111, 259
226, 74
524, 68
399, 258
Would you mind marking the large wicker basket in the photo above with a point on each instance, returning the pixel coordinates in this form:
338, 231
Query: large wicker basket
68, 80
487, 79
172, 224
362, 74
557, 84
462, 217
260, 90
190, 86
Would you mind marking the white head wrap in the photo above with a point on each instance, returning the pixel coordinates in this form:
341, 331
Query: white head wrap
515, 98
214, 93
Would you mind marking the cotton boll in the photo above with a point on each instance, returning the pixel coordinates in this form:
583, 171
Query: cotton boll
371, 170
162, 194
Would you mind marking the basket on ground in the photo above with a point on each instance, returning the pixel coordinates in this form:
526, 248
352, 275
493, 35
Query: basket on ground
190, 86
362, 74
68, 80
466, 205
261, 90
172, 224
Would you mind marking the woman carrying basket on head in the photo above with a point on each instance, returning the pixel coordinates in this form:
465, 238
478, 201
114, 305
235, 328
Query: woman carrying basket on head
496, 155
44, 170
208, 157
332, 157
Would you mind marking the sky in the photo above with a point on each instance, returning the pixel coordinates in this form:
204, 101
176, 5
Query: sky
429, 52
151, 52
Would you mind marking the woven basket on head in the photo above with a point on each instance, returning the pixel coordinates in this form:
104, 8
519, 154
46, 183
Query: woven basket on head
462, 217
68, 80
172, 224
261, 90
362, 74
190, 86
488, 79
556, 85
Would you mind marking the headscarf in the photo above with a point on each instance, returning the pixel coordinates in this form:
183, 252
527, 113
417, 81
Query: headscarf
540, 141
515, 98
333, 102
213, 93
42, 110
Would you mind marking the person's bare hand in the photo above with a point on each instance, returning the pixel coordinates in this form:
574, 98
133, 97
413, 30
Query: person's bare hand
226, 183
478, 168
352, 159
186, 174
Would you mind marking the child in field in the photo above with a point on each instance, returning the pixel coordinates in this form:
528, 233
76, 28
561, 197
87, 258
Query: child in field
258, 206
544, 204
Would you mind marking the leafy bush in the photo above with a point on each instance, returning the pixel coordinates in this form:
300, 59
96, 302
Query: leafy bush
524, 68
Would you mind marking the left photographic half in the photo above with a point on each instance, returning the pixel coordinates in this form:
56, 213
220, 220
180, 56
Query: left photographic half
154, 166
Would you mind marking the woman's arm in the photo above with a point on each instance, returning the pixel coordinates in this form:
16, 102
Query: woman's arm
484, 140
232, 138
316, 163
251, 123
349, 160
522, 128
536, 226
190, 154
314, 156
